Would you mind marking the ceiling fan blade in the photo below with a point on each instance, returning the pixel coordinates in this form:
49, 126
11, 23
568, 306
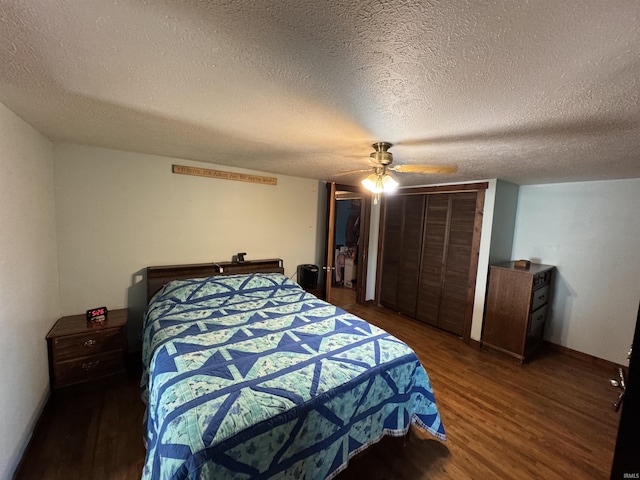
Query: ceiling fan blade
433, 169
352, 172
577, 127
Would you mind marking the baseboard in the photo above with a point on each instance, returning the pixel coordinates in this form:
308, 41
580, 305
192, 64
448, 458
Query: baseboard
475, 343
600, 362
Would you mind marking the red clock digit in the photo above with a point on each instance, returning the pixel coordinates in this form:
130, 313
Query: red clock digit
97, 313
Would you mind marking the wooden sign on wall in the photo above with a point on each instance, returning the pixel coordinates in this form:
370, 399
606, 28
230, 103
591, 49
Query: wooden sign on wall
239, 177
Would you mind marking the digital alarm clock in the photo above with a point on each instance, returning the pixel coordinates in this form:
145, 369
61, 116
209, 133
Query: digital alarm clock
97, 314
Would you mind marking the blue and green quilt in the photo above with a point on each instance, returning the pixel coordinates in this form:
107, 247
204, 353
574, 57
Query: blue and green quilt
251, 377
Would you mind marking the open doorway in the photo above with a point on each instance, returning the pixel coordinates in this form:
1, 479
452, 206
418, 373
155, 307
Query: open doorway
346, 244
348, 211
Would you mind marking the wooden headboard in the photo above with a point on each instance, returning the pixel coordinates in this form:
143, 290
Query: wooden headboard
158, 277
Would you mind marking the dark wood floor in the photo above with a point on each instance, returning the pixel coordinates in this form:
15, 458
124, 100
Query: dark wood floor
548, 419
343, 297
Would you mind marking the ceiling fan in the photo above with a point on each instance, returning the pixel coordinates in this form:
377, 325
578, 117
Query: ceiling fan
381, 181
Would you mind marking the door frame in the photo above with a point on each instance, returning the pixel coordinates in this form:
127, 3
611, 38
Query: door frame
363, 247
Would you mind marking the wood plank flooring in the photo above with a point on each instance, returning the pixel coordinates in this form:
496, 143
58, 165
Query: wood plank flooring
548, 419
93, 434
343, 297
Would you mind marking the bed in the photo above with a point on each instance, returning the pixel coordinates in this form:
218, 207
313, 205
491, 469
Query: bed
247, 376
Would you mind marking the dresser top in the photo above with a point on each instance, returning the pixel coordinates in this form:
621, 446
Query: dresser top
75, 324
533, 268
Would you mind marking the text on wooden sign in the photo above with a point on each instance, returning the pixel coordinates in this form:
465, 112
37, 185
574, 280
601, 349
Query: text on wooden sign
207, 172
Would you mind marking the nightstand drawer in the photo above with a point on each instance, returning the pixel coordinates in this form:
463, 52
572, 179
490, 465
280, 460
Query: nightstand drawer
88, 368
74, 346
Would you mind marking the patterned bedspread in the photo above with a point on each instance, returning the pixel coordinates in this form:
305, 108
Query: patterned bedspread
250, 377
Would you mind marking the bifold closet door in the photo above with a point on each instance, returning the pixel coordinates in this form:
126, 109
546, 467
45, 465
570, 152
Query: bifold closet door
409, 271
456, 281
392, 247
446, 260
433, 259
403, 226
427, 257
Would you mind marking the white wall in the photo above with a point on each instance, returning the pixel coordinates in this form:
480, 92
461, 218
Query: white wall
477, 317
119, 212
372, 254
591, 232
504, 219
29, 303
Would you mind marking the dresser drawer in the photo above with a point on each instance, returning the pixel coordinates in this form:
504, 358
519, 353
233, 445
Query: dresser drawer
537, 318
540, 297
542, 278
88, 368
74, 346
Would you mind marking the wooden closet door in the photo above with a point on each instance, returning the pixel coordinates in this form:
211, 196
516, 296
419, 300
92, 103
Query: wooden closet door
428, 259
462, 208
392, 247
433, 257
401, 255
446, 260
409, 271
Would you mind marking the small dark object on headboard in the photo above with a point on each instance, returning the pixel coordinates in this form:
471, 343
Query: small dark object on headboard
158, 277
239, 258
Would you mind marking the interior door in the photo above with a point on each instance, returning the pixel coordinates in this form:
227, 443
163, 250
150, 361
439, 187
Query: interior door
333, 192
626, 462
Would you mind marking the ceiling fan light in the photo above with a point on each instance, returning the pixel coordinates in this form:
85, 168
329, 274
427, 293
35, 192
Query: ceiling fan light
372, 183
389, 184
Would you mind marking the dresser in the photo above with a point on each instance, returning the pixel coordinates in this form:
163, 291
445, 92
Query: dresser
516, 311
81, 352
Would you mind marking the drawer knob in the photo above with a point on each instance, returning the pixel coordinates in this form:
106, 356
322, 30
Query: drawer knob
90, 365
90, 343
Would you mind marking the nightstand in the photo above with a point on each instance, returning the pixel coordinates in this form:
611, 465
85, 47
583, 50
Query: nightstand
80, 352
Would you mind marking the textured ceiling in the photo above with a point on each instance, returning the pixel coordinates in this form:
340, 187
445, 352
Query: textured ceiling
528, 91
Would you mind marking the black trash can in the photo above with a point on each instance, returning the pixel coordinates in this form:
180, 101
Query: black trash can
308, 276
